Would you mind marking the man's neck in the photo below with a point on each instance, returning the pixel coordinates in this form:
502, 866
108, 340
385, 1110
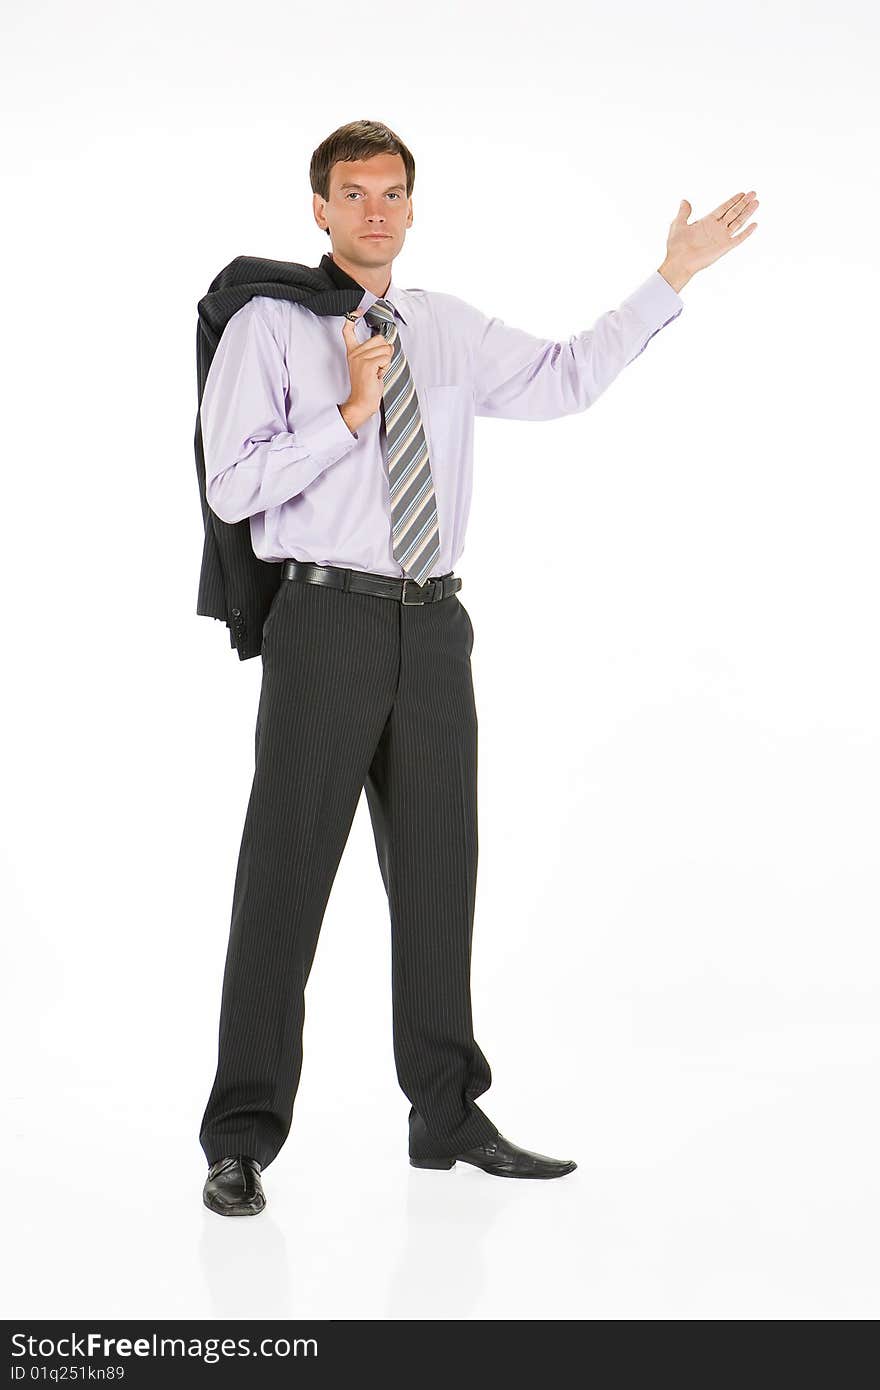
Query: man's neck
377, 280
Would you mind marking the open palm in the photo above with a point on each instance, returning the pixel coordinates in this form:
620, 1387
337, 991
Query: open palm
697, 244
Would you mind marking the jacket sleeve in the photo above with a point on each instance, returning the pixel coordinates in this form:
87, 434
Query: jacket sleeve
252, 460
518, 376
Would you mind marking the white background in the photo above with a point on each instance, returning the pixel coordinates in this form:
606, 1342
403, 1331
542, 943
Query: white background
675, 971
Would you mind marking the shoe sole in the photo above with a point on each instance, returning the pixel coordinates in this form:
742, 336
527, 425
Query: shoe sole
446, 1163
231, 1211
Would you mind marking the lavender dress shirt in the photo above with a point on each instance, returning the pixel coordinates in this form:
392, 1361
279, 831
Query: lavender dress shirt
278, 451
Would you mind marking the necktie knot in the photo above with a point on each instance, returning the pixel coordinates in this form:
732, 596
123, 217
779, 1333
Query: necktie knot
380, 314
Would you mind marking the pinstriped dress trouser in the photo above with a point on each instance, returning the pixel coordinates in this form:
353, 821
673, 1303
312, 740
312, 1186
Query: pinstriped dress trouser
358, 691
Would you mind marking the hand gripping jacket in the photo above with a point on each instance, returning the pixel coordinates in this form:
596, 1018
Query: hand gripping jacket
235, 586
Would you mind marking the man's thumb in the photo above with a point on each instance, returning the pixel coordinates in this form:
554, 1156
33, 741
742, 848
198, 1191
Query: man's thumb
684, 211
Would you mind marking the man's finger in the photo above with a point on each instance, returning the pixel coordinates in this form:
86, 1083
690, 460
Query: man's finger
373, 347
726, 207
744, 234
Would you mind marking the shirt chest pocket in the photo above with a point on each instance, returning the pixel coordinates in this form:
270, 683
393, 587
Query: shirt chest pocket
447, 418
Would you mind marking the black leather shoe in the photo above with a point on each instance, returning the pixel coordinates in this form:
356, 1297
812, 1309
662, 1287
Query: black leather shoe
504, 1160
233, 1187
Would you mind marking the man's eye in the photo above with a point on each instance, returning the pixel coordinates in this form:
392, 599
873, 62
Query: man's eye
354, 194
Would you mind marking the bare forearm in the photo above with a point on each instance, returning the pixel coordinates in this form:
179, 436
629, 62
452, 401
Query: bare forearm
354, 415
674, 274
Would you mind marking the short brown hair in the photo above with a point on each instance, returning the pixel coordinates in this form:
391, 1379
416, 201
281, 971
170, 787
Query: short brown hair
357, 140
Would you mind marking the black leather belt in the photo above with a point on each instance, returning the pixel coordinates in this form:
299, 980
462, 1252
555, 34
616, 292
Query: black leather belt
405, 591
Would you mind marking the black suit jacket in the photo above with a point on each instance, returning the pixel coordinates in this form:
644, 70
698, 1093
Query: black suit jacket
234, 585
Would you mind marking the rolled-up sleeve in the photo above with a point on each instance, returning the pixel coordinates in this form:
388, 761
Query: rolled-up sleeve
519, 376
253, 461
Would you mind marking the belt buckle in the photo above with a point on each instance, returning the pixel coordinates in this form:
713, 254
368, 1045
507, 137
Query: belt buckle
406, 581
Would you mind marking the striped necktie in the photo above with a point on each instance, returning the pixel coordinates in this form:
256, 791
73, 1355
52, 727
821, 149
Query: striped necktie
415, 538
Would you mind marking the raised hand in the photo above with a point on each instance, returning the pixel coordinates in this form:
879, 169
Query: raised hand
691, 246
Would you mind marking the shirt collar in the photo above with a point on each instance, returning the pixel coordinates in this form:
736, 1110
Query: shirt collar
395, 295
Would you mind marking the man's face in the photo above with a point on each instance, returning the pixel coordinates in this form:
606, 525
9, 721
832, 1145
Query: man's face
367, 197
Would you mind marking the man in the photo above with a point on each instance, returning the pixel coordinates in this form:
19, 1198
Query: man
347, 442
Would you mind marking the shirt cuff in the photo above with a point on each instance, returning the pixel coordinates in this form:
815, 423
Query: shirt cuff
325, 435
655, 302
